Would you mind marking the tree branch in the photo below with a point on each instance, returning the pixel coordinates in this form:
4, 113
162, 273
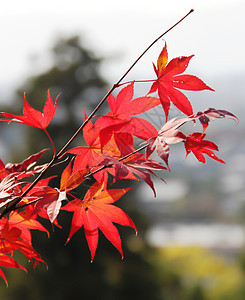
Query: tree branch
13, 206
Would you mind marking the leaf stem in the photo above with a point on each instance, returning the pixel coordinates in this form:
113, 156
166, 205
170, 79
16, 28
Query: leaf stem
51, 141
137, 81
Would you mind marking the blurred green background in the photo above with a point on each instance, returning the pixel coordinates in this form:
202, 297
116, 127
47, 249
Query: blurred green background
191, 240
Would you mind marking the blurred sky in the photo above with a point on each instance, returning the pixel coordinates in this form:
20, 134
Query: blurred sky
122, 30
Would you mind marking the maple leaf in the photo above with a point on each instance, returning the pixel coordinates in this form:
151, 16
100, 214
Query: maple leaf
24, 169
53, 209
42, 200
168, 134
121, 117
10, 241
169, 81
194, 143
10, 175
26, 164
96, 212
24, 223
134, 164
211, 114
33, 117
90, 156
47, 200
46, 196
71, 180
68, 182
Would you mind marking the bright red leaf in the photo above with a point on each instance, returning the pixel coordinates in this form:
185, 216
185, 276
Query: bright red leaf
10, 240
96, 212
89, 156
24, 223
33, 117
169, 81
194, 143
120, 118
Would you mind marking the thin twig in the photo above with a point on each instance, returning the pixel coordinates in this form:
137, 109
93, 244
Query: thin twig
51, 141
117, 84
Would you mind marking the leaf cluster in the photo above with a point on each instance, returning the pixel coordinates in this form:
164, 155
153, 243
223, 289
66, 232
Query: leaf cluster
110, 153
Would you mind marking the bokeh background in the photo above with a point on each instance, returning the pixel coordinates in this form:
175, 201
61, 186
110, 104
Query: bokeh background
191, 236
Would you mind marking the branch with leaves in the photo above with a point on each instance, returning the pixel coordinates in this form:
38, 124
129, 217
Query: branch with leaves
110, 153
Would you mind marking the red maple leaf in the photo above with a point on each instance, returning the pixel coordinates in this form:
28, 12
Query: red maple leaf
168, 79
33, 117
194, 143
24, 223
121, 117
134, 164
91, 155
10, 240
24, 169
96, 212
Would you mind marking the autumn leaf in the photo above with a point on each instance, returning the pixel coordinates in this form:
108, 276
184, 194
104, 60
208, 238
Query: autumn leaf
53, 209
124, 106
121, 116
211, 114
68, 182
169, 81
46, 196
89, 156
135, 164
96, 212
92, 154
24, 223
26, 164
24, 169
196, 144
33, 117
10, 240
42, 200
168, 134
